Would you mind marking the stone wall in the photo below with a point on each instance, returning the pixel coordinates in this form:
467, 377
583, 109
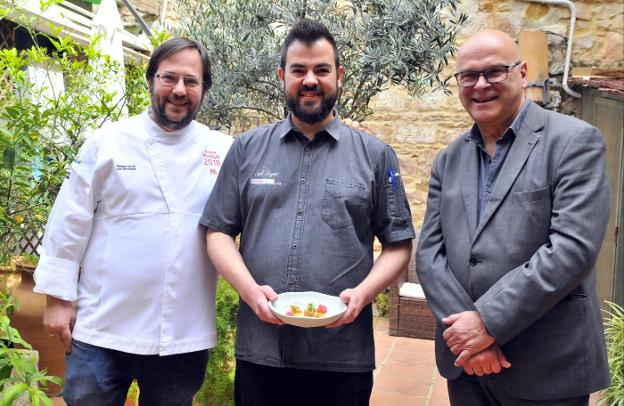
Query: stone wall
419, 127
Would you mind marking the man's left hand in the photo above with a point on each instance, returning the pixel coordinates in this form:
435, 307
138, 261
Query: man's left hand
489, 361
355, 301
466, 335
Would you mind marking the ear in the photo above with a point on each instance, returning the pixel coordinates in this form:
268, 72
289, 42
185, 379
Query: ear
150, 85
524, 69
340, 73
280, 74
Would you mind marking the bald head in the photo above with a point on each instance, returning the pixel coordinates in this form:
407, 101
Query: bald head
486, 43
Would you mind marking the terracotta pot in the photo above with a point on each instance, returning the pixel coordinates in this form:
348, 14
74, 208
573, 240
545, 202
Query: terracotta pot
28, 319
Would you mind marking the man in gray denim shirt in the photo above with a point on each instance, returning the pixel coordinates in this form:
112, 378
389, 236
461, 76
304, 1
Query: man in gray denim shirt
308, 196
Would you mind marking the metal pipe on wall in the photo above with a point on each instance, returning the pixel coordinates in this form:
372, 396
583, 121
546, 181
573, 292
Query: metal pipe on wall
566, 68
138, 17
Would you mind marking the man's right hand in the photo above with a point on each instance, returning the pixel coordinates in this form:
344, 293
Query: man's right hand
489, 361
258, 299
59, 319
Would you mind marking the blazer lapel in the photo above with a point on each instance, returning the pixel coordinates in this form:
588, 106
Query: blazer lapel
470, 182
522, 146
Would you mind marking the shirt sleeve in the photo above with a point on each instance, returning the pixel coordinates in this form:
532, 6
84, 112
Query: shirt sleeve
392, 218
69, 228
222, 211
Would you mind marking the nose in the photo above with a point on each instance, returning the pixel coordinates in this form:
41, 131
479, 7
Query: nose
179, 87
310, 79
481, 82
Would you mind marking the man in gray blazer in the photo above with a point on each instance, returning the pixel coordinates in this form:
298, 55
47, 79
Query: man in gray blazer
516, 215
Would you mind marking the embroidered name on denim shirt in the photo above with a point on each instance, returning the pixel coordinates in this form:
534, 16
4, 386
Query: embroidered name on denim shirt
265, 177
126, 167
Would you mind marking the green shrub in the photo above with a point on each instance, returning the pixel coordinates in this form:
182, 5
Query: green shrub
381, 304
218, 386
42, 128
614, 331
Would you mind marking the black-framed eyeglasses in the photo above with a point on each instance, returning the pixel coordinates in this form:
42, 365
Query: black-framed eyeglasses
493, 74
169, 79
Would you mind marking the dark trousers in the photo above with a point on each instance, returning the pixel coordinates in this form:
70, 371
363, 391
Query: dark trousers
470, 390
259, 385
96, 376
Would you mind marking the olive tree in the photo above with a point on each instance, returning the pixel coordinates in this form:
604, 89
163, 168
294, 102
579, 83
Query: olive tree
381, 42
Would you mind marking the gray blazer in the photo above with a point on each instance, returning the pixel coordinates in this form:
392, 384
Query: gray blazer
528, 266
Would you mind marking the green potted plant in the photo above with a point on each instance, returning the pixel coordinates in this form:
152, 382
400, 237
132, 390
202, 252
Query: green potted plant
42, 127
614, 331
19, 376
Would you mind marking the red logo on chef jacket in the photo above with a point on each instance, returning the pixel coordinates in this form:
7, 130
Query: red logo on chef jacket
212, 160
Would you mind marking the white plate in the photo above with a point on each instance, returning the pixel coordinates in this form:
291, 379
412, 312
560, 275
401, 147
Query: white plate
335, 308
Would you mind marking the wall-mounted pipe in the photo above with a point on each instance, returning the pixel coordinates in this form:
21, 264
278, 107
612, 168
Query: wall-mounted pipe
566, 68
138, 17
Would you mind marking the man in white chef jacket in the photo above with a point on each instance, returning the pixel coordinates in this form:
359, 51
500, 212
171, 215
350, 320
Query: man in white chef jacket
130, 290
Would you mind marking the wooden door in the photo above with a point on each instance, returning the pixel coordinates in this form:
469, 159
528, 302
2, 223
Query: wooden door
607, 113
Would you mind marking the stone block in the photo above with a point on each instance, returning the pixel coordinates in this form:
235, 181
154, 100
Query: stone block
505, 24
613, 51
381, 131
430, 101
535, 11
487, 6
584, 12
414, 134
390, 99
586, 42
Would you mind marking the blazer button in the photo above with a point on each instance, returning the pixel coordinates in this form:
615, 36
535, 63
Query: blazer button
473, 261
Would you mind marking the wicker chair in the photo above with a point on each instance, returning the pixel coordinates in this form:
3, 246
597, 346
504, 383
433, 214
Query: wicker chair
410, 317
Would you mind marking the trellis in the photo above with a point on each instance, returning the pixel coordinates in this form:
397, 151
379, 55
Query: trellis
7, 34
30, 244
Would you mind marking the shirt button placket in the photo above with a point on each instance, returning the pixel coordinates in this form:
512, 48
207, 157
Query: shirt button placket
173, 225
295, 251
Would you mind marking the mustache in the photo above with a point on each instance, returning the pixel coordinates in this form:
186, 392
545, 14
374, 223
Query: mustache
177, 97
316, 89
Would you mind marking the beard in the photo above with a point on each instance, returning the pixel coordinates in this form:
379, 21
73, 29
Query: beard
311, 116
160, 114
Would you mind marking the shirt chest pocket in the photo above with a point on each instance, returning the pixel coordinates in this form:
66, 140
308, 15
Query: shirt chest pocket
343, 203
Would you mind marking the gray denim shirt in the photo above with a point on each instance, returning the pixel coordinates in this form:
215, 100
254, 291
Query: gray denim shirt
308, 212
490, 167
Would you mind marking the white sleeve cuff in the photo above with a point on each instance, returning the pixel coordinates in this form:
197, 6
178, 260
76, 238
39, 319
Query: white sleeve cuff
57, 277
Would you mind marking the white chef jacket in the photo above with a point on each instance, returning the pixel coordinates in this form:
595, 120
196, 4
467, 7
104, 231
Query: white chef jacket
123, 238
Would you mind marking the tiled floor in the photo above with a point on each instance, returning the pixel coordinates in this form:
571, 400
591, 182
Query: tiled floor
406, 373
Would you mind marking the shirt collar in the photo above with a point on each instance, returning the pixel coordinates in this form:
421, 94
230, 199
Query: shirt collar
334, 129
514, 128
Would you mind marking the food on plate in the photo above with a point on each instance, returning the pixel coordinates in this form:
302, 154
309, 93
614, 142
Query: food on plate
310, 311
294, 311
